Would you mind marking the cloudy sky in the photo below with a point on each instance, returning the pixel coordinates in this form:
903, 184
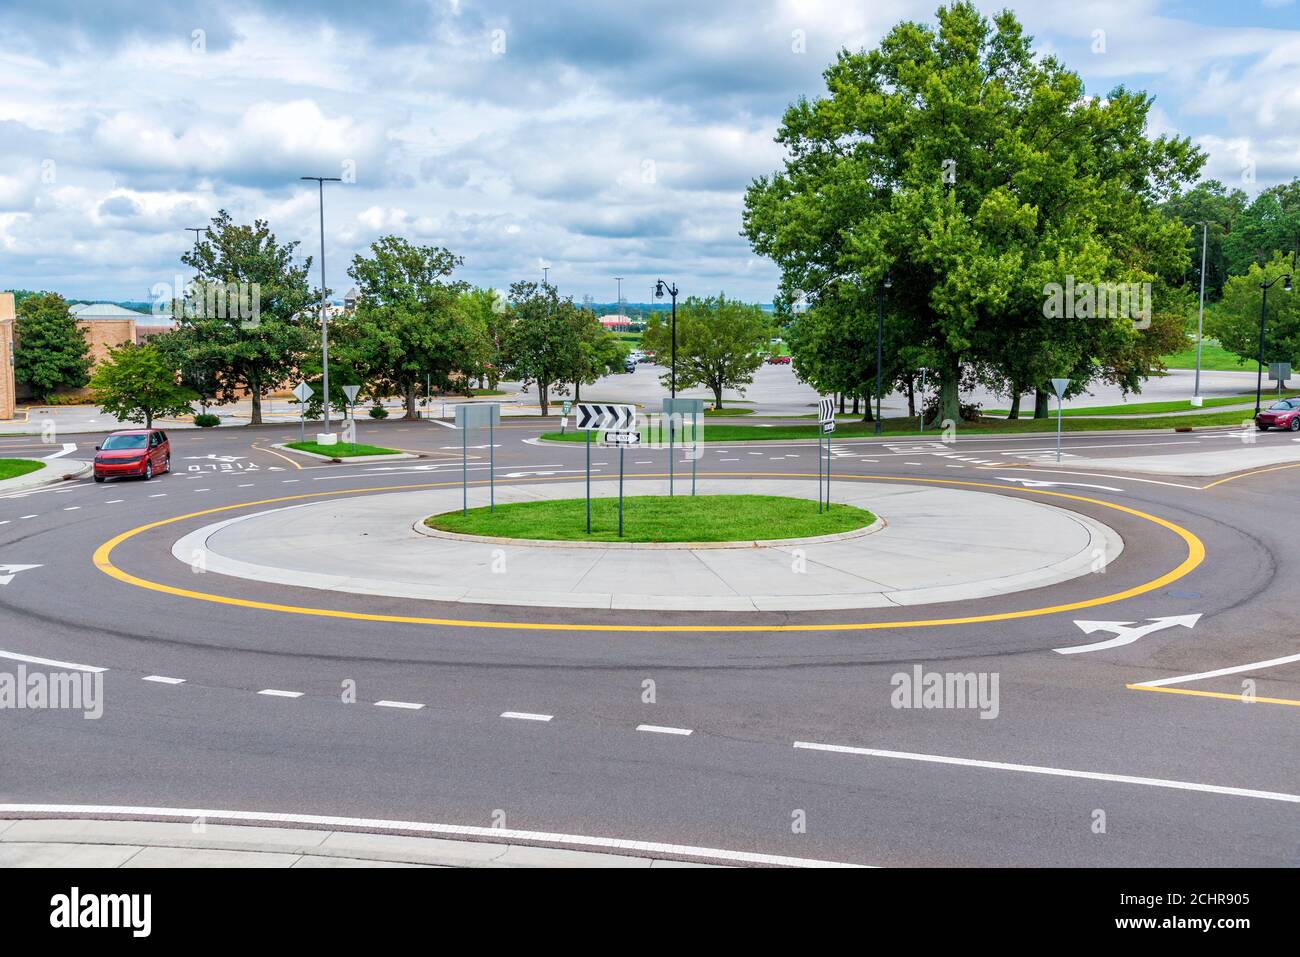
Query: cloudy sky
604, 139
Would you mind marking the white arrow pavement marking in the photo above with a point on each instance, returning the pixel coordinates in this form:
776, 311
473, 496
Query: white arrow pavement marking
1029, 483
7, 572
1125, 632
67, 447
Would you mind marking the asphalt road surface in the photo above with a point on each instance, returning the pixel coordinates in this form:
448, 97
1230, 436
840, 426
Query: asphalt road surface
794, 747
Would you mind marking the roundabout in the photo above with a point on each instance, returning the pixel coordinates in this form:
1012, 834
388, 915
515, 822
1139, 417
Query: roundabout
929, 545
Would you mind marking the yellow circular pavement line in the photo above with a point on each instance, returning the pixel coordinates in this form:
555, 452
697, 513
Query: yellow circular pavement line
1195, 555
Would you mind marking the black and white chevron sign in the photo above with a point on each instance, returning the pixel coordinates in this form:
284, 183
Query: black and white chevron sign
825, 410
600, 417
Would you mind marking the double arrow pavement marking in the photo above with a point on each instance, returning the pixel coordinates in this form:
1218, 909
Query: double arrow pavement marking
1125, 632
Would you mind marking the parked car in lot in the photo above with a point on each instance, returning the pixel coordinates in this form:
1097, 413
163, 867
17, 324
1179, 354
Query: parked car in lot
629, 364
134, 452
1283, 414
778, 360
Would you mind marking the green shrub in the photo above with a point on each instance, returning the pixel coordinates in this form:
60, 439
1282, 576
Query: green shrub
378, 412
206, 420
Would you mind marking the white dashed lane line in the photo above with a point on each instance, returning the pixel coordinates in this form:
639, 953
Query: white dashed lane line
115, 501
163, 680
408, 705
659, 729
275, 693
72, 508
526, 716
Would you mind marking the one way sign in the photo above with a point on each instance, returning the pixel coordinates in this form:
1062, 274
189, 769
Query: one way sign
601, 417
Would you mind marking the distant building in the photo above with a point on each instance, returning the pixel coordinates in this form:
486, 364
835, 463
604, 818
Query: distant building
621, 323
106, 326
8, 395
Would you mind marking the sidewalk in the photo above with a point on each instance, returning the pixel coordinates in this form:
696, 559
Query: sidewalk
54, 470
94, 843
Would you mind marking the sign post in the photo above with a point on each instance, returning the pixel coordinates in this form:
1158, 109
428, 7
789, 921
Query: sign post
477, 415
679, 409
592, 417
825, 426
302, 391
1059, 386
564, 415
351, 392
1279, 372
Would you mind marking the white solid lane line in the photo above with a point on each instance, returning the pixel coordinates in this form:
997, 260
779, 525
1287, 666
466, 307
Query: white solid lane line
659, 729
496, 835
1056, 772
65, 665
526, 716
1236, 669
408, 705
272, 692
163, 680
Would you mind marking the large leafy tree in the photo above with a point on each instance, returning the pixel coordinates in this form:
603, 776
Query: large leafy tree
487, 309
540, 342
408, 323
1270, 224
138, 383
1235, 322
599, 351
1208, 202
51, 351
720, 343
976, 173
237, 353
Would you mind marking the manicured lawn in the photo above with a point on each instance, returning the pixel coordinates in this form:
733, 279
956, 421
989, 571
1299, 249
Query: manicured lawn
12, 468
340, 451
659, 518
895, 428
727, 410
1213, 357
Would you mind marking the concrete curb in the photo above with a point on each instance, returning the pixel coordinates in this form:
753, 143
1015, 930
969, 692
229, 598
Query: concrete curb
923, 587
345, 459
424, 529
85, 842
53, 472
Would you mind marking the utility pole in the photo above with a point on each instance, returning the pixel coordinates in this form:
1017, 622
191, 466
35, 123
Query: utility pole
324, 302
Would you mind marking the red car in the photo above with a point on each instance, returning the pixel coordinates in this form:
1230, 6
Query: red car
1284, 414
142, 452
778, 360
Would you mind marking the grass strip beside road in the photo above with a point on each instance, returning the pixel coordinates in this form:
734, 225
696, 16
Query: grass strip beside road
658, 518
12, 468
908, 427
341, 450
1177, 405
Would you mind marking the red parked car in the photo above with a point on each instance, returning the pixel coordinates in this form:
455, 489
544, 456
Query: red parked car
1284, 414
778, 360
142, 452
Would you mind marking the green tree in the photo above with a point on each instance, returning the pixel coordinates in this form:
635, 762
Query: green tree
487, 309
1235, 321
243, 352
138, 383
540, 345
599, 352
976, 173
720, 343
1269, 225
51, 351
409, 323
1208, 202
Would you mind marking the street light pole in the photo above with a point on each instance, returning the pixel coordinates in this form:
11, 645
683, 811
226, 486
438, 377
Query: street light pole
1263, 305
660, 288
324, 320
1200, 318
885, 283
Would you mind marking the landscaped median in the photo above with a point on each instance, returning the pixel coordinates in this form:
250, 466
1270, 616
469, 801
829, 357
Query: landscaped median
658, 518
344, 451
895, 428
13, 468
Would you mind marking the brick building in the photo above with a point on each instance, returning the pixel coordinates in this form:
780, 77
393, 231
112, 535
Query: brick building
7, 394
105, 326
